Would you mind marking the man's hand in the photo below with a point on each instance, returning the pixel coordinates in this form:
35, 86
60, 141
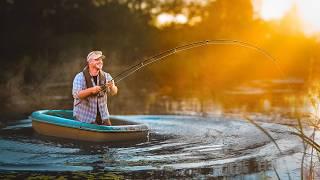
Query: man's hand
89, 91
112, 88
110, 84
95, 89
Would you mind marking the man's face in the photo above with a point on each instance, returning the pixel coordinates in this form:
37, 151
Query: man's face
96, 63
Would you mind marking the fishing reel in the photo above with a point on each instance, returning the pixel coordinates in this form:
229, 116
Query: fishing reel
104, 89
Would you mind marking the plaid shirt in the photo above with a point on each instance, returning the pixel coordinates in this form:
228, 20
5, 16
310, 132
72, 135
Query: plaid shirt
86, 111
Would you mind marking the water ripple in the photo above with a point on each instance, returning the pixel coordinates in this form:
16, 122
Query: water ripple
224, 145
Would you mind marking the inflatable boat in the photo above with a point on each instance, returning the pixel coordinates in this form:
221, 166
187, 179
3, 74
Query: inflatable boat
60, 123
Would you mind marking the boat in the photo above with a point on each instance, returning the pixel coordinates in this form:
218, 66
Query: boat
60, 123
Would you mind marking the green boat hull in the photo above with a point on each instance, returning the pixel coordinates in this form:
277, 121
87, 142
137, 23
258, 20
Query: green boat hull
60, 123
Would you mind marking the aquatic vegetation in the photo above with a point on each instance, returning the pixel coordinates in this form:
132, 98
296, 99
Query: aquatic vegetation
311, 156
310, 162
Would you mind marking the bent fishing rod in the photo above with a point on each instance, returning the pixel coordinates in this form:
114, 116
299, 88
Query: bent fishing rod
129, 71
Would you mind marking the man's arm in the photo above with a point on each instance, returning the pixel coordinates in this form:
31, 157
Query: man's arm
79, 90
88, 92
113, 89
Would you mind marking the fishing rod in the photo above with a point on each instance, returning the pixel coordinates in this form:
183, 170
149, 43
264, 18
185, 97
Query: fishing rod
129, 71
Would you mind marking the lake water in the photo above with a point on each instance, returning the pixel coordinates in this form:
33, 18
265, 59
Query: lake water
211, 140
178, 147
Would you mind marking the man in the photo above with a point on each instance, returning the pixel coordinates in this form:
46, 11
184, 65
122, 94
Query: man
90, 100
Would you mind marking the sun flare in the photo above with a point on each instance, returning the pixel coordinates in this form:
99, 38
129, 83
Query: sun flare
274, 9
166, 19
308, 11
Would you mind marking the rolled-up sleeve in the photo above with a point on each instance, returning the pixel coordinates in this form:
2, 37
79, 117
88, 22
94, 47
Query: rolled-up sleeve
108, 77
78, 85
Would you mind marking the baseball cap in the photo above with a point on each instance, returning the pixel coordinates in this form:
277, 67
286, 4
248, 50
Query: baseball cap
95, 55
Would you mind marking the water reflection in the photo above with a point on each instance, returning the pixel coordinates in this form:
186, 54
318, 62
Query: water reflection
242, 167
237, 170
270, 97
285, 98
179, 146
213, 142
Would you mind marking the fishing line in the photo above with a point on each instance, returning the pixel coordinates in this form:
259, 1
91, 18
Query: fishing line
131, 70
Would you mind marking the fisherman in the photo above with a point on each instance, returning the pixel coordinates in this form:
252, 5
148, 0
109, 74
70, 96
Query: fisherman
90, 90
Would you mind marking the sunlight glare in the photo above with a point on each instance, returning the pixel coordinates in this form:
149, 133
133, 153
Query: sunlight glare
166, 19
274, 9
181, 19
308, 11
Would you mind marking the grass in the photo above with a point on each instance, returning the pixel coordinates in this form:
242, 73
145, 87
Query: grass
310, 167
